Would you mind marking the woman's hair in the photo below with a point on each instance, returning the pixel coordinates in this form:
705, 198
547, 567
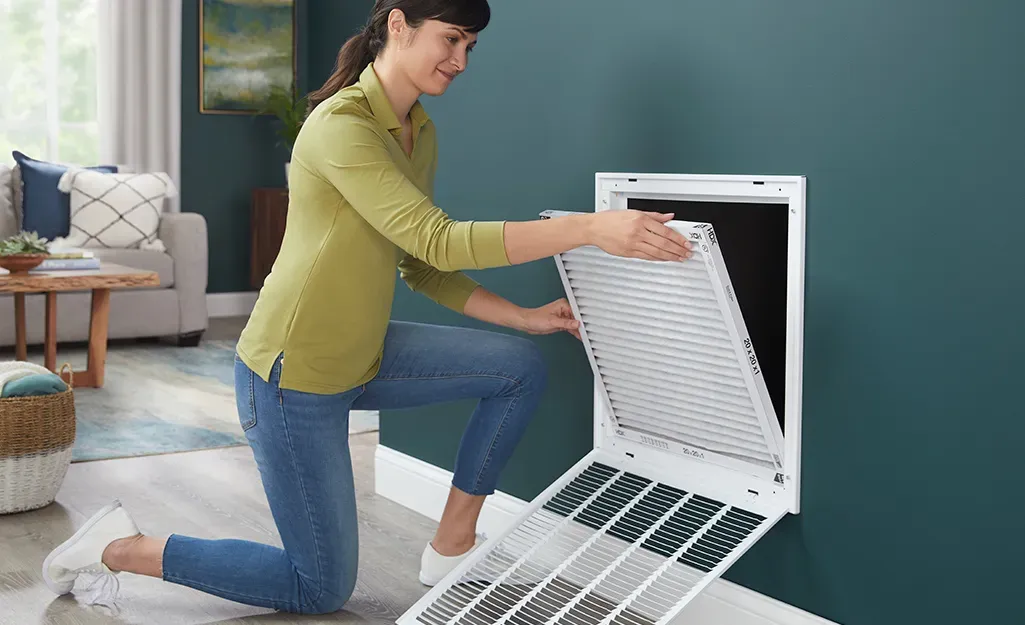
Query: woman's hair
362, 48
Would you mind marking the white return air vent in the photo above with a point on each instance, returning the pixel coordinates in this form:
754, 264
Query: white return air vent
697, 435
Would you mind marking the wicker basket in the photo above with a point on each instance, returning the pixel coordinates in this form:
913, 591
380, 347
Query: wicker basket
36, 437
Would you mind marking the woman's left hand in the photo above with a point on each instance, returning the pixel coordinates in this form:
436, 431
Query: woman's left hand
550, 318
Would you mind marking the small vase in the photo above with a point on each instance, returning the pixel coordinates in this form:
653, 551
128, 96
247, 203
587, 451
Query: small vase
21, 263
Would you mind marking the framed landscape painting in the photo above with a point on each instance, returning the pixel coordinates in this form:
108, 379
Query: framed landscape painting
247, 49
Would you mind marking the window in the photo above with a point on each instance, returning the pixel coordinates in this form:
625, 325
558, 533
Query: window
48, 80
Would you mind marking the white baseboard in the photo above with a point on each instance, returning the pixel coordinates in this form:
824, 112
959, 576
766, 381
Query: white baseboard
230, 304
423, 488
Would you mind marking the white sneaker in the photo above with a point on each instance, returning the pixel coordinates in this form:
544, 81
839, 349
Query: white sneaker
434, 567
83, 554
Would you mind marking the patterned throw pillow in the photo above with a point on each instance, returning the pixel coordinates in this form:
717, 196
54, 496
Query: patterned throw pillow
116, 210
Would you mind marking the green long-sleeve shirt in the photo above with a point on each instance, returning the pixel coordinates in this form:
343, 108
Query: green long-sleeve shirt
358, 208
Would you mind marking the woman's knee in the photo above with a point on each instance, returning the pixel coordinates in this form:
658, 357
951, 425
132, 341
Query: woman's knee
527, 365
335, 584
329, 597
326, 603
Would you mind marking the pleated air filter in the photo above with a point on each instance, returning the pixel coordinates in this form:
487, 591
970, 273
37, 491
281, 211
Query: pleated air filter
650, 325
690, 466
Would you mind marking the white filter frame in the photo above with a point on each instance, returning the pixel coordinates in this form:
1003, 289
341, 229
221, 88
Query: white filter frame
613, 191
540, 543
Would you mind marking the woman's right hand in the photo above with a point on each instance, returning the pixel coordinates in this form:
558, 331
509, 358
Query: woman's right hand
638, 234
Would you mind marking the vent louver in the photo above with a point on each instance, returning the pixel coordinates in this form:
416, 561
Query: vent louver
609, 547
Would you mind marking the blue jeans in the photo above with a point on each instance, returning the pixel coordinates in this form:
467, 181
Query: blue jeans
301, 445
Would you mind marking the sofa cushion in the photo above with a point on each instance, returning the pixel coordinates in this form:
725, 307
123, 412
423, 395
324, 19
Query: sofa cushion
44, 208
147, 260
8, 218
17, 194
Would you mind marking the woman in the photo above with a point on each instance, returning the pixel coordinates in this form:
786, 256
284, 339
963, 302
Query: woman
320, 343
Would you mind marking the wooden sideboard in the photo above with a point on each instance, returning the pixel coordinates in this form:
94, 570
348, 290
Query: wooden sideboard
267, 228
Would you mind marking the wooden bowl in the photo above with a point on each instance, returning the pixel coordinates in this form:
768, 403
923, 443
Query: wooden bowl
21, 263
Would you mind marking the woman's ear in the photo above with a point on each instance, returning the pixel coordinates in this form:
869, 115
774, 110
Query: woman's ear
396, 22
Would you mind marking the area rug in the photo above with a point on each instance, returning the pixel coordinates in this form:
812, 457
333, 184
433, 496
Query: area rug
159, 398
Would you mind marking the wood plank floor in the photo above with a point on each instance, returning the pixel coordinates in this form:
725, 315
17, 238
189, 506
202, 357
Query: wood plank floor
210, 494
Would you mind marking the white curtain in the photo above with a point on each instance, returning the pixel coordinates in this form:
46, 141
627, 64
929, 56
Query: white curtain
139, 73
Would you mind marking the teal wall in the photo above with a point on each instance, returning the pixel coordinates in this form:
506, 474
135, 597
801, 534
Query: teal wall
908, 117
331, 23
225, 157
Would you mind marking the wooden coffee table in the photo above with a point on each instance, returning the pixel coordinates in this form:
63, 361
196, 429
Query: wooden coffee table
100, 281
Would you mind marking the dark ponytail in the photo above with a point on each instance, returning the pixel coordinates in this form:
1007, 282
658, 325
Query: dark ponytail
362, 48
354, 56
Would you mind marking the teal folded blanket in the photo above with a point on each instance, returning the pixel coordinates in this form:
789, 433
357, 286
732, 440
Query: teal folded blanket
35, 384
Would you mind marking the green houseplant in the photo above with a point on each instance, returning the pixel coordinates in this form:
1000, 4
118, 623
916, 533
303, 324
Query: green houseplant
23, 251
290, 111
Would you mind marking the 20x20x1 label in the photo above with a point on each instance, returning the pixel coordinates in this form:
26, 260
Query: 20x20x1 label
751, 356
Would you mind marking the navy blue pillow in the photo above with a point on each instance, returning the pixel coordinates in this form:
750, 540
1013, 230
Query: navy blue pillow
45, 209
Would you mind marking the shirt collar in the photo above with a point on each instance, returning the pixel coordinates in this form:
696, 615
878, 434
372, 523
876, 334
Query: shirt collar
381, 107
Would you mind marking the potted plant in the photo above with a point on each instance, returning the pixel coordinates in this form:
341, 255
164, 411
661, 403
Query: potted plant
22, 252
290, 111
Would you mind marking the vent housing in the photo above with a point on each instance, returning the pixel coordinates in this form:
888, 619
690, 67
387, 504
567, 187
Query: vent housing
696, 446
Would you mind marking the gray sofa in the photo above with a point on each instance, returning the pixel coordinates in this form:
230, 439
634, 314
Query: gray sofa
176, 308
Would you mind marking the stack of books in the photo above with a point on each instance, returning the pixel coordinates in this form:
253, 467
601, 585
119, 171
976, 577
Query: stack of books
69, 258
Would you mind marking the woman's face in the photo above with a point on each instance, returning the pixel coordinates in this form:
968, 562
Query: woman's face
435, 54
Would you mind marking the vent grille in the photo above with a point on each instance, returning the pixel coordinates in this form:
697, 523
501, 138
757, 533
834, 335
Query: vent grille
609, 547
668, 343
